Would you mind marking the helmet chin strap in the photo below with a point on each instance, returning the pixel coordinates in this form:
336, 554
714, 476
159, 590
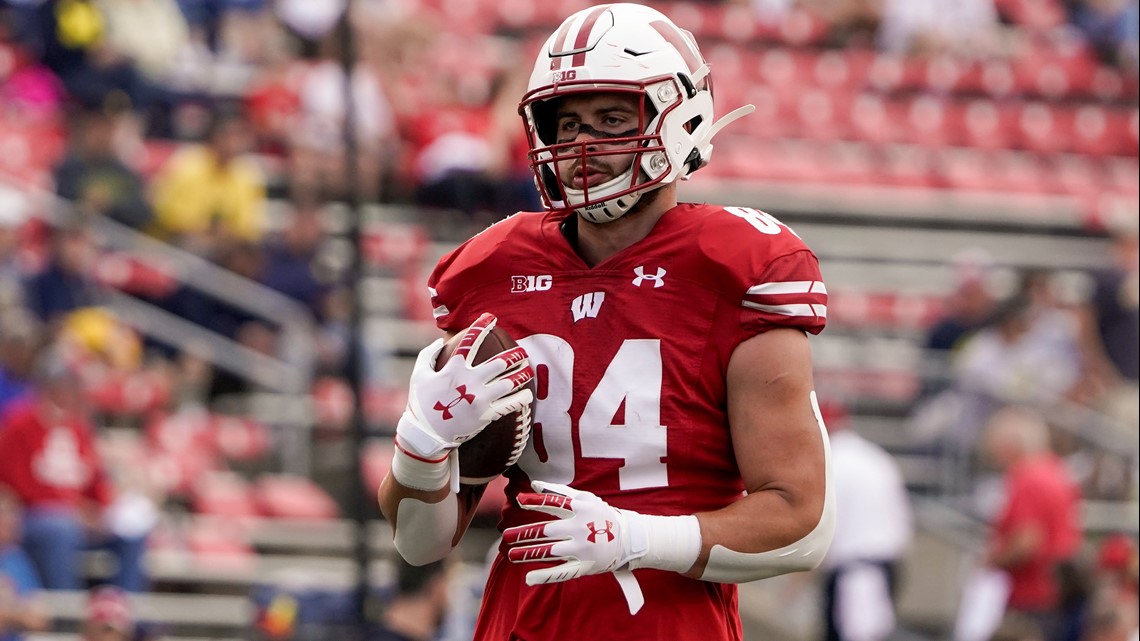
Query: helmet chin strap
607, 210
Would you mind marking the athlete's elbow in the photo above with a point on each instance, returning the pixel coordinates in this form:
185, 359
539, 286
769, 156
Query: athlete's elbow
420, 555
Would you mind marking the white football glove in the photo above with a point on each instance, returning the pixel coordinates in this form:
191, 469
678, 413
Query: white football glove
591, 537
448, 407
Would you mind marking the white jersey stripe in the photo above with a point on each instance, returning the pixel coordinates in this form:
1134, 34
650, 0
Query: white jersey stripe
440, 311
790, 310
788, 287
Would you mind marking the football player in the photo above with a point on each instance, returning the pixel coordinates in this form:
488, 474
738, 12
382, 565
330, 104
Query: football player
677, 448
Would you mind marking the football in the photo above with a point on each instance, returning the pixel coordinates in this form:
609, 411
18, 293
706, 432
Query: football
490, 452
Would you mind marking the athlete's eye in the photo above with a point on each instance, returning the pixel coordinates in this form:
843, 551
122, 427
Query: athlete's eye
614, 123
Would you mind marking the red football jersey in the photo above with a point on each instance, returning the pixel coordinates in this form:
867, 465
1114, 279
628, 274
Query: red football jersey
631, 357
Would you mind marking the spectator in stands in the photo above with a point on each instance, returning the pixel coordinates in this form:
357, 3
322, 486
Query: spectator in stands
215, 19
969, 304
1038, 528
153, 34
291, 265
20, 608
1112, 614
1023, 356
109, 616
12, 218
1109, 26
92, 175
48, 457
65, 281
70, 37
416, 611
214, 192
968, 28
317, 155
850, 23
873, 530
20, 340
967, 308
1111, 329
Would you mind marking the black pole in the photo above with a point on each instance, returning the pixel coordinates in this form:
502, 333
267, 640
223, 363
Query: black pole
359, 500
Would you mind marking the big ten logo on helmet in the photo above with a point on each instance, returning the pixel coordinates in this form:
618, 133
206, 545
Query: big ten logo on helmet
531, 283
563, 76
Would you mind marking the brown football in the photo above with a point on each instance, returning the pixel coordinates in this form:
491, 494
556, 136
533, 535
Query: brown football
499, 445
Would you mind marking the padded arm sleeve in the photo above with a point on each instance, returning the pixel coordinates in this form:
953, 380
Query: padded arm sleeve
730, 566
425, 530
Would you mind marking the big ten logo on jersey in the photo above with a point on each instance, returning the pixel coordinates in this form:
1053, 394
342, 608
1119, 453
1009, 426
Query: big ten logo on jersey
531, 283
565, 75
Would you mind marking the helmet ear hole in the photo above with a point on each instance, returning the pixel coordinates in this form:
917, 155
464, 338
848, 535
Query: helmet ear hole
545, 114
692, 161
550, 183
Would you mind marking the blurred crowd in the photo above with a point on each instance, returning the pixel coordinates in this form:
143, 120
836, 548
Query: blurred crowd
184, 121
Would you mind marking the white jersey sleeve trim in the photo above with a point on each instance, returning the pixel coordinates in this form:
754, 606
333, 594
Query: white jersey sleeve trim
788, 287
789, 310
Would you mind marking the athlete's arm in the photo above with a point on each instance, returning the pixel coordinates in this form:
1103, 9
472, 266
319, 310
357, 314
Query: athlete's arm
421, 496
433, 508
784, 524
780, 450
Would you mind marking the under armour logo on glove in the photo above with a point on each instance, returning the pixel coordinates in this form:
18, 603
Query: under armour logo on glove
586, 535
592, 526
463, 396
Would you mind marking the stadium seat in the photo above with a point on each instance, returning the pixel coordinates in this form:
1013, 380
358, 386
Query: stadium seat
240, 439
332, 402
294, 497
134, 275
376, 460
223, 493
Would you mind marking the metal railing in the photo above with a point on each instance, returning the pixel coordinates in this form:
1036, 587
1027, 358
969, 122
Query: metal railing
288, 372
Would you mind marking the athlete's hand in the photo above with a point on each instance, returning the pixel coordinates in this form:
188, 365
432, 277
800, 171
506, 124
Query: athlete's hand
449, 406
588, 536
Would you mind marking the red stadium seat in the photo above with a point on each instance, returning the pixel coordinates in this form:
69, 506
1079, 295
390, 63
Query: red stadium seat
1039, 129
393, 244
332, 402
134, 275
926, 121
220, 543
129, 393
908, 166
966, 169
223, 493
870, 120
240, 439
1019, 171
294, 497
376, 460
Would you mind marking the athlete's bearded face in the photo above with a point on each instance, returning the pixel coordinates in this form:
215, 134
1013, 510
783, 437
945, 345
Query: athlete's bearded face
591, 120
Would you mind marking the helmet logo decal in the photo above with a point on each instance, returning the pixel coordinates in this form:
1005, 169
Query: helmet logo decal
563, 76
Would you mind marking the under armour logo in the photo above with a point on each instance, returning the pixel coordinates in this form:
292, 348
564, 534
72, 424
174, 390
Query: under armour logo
463, 396
657, 279
608, 531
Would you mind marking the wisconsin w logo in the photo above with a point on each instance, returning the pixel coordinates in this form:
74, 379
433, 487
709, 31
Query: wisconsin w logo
587, 305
